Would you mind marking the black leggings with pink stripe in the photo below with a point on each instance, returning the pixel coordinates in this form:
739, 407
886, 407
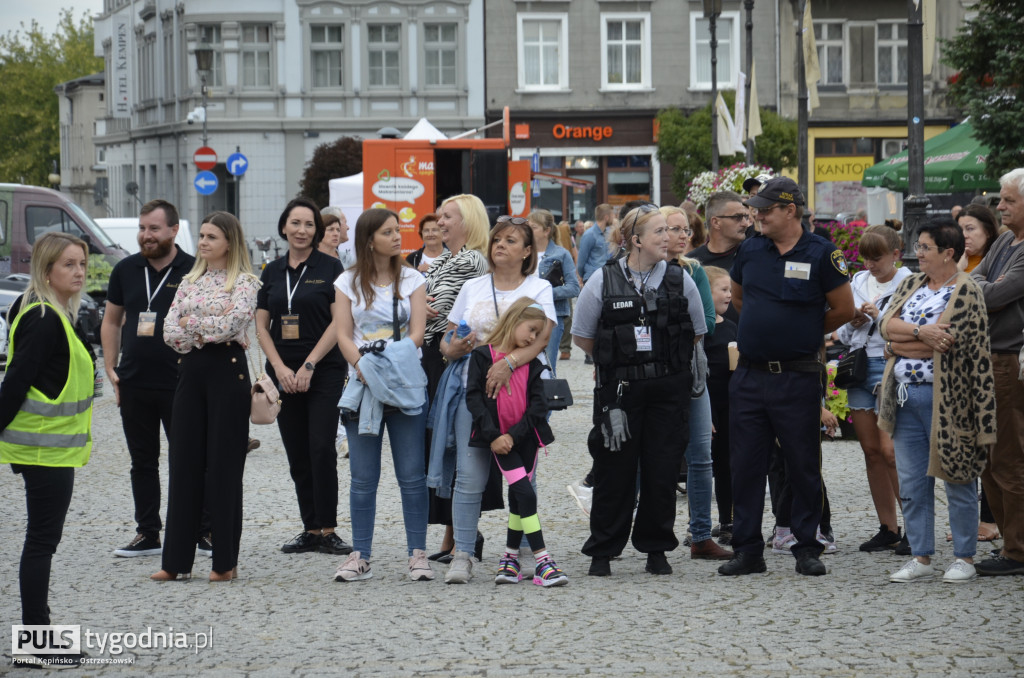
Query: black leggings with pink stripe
518, 467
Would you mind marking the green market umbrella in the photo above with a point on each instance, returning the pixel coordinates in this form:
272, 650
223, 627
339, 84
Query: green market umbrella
953, 161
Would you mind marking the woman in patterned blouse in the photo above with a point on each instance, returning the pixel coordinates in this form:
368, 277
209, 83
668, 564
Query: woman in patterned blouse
208, 323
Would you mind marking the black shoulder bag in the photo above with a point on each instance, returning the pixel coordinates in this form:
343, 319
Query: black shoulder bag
557, 393
853, 369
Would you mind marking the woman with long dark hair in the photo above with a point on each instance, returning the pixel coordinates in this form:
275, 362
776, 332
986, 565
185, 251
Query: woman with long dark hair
380, 332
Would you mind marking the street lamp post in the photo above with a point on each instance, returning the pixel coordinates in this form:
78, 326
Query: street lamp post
915, 207
712, 8
749, 6
204, 62
801, 98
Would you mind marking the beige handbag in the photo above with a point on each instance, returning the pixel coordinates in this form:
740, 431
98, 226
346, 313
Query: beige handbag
266, 401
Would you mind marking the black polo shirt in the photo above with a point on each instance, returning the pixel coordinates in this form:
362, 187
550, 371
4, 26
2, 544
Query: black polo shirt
146, 362
311, 302
784, 304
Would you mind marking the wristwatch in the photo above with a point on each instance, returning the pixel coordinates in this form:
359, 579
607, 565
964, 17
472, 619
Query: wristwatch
309, 366
917, 330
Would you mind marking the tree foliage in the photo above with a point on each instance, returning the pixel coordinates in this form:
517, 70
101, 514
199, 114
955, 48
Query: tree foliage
684, 141
340, 158
32, 63
988, 83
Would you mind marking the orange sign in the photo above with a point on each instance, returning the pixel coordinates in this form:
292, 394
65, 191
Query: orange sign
522, 130
519, 188
597, 132
401, 180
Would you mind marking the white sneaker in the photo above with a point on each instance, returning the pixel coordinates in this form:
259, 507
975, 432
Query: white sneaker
783, 544
583, 495
959, 571
830, 546
461, 569
419, 566
353, 569
912, 571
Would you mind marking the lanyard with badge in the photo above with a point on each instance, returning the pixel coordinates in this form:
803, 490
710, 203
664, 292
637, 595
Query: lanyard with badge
290, 322
147, 319
648, 302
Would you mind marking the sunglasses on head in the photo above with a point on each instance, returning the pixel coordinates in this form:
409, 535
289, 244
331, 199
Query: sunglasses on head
518, 221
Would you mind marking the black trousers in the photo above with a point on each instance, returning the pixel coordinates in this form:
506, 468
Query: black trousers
658, 414
209, 435
47, 497
763, 408
143, 410
781, 493
309, 424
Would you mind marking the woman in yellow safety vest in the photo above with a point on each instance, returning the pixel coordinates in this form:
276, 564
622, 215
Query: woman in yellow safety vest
46, 408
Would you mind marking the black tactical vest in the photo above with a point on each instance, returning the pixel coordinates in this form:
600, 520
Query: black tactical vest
622, 309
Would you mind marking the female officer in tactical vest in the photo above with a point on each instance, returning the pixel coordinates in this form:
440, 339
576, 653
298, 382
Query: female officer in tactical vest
46, 408
639, 320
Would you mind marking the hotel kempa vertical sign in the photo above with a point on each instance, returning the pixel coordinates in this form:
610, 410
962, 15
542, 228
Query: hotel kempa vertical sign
121, 50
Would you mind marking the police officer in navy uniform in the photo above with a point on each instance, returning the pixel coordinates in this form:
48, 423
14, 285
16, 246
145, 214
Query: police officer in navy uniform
791, 288
638, 319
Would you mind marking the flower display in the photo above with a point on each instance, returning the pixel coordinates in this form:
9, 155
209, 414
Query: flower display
727, 179
836, 400
847, 238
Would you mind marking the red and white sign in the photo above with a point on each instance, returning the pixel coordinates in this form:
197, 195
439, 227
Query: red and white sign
205, 158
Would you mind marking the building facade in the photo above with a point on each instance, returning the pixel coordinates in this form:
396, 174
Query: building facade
585, 79
862, 116
83, 170
286, 76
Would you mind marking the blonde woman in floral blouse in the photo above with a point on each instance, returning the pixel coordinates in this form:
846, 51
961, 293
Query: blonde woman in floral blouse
207, 324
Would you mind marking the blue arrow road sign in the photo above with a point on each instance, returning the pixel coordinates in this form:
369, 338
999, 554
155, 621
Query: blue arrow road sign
205, 182
237, 164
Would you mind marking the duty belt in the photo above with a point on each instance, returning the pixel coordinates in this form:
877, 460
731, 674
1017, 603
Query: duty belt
638, 372
807, 363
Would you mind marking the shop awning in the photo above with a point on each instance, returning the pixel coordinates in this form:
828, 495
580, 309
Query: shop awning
953, 161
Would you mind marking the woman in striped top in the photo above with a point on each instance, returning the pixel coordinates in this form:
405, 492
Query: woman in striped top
464, 228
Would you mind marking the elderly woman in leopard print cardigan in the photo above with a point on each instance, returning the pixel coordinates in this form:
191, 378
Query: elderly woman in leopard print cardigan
937, 399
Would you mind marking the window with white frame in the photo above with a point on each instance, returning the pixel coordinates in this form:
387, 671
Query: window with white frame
828, 35
860, 55
625, 50
727, 32
543, 41
383, 47
892, 52
326, 55
440, 47
256, 56
210, 36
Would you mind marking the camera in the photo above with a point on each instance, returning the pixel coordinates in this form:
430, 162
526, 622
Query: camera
197, 114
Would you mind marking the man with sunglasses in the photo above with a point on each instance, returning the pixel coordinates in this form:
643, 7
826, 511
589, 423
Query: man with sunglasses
728, 222
790, 288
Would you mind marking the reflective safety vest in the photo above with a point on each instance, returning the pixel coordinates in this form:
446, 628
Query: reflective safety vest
53, 432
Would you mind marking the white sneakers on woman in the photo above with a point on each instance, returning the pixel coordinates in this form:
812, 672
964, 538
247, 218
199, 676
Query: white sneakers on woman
959, 571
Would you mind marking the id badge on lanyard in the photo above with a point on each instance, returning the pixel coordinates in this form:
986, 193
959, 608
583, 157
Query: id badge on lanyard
147, 319
643, 338
290, 322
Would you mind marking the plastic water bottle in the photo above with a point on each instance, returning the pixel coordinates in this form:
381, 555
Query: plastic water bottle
463, 330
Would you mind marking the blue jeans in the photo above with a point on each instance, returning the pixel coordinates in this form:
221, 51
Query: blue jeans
698, 468
910, 438
405, 433
862, 397
552, 347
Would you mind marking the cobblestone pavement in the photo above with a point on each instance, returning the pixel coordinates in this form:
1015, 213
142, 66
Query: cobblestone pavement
286, 615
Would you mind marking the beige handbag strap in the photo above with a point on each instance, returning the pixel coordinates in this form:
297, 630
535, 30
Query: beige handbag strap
256, 369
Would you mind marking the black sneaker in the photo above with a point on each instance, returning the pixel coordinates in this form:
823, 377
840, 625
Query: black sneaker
304, 542
743, 562
600, 567
141, 545
903, 548
725, 535
333, 544
999, 566
883, 541
810, 565
657, 563
205, 545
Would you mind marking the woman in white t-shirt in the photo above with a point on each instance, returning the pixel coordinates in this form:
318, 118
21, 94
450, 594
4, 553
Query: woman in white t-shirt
481, 300
367, 320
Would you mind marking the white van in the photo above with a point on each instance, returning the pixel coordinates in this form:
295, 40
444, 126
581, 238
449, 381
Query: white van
125, 233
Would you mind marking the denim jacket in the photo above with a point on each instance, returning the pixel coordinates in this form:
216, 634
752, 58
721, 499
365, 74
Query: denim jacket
571, 289
441, 420
393, 377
